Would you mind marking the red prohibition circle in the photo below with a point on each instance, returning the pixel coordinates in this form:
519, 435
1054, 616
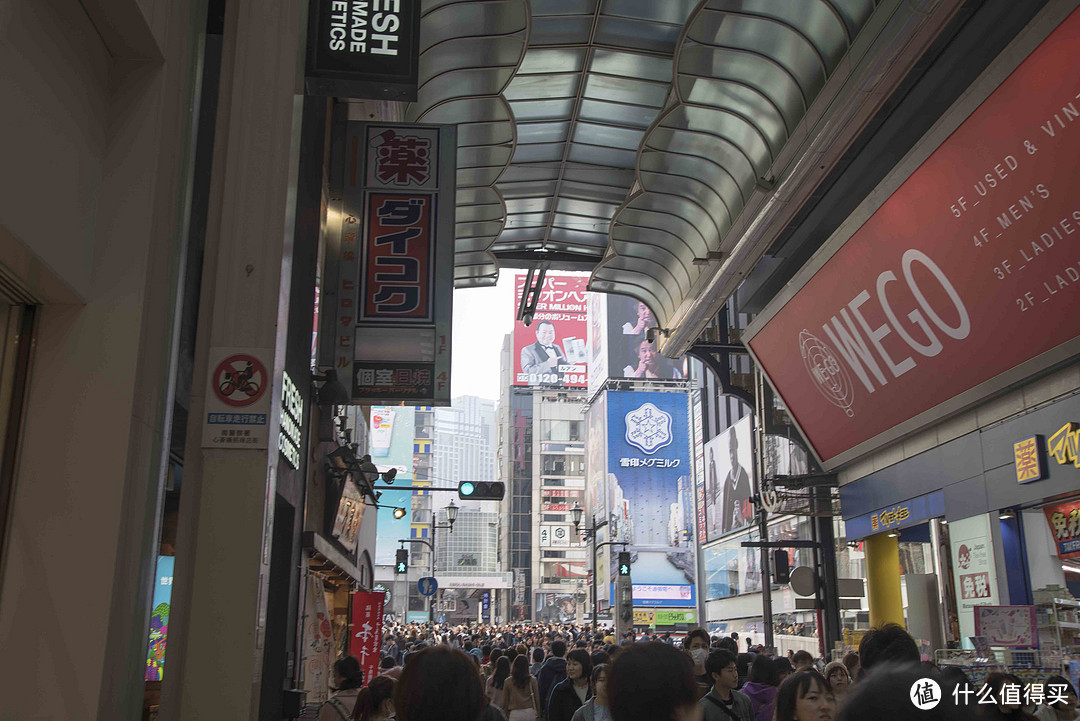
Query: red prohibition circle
238, 392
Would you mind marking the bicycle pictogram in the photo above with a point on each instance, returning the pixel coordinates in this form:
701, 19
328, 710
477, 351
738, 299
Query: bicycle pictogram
239, 380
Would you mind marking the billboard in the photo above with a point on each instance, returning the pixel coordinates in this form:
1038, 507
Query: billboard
618, 347
159, 619
390, 263
551, 351
962, 281
650, 484
729, 480
391, 446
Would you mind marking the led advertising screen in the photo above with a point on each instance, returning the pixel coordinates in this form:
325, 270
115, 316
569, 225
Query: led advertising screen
550, 352
729, 480
650, 490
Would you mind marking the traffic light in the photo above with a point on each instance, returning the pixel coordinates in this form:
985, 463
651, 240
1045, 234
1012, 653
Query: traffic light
781, 568
624, 563
399, 513
481, 490
402, 563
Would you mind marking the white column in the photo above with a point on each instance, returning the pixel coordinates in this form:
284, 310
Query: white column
217, 628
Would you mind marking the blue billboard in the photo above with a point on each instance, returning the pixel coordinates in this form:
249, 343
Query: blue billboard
650, 493
391, 445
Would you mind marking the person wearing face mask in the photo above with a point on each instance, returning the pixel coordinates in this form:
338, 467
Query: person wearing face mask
375, 701
696, 643
805, 696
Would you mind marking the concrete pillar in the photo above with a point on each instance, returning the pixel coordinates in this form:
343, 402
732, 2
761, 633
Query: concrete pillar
883, 580
217, 628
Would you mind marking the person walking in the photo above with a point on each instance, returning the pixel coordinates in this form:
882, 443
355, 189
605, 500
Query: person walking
836, 674
538, 661
552, 672
696, 643
723, 702
521, 695
805, 696
761, 686
598, 707
495, 684
652, 682
375, 702
573, 691
346, 682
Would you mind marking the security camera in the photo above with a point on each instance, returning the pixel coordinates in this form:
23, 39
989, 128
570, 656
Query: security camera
527, 319
650, 335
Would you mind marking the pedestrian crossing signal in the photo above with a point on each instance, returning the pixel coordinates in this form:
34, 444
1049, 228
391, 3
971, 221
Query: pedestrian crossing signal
481, 490
401, 565
624, 563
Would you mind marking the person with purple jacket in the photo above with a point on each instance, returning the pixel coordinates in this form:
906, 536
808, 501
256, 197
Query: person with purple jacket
761, 687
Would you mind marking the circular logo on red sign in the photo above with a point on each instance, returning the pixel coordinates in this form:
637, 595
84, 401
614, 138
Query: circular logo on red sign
239, 380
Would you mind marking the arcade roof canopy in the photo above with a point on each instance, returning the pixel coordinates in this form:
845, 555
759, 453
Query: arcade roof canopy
627, 137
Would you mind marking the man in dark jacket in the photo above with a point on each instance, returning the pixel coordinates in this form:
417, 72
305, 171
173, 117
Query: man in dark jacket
552, 672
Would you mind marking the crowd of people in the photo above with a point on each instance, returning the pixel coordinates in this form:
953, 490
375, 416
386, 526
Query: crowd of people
531, 672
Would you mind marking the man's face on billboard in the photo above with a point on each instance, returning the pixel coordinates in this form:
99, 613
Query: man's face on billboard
647, 354
644, 313
545, 333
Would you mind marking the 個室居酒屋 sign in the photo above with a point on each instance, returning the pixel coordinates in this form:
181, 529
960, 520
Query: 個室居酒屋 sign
968, 271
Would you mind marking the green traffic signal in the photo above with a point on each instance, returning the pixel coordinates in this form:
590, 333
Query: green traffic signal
481, 490
624, 563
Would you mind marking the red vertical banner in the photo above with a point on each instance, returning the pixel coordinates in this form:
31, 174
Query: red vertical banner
366, 640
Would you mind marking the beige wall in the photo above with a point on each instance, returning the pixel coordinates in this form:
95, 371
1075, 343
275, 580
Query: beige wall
94, 141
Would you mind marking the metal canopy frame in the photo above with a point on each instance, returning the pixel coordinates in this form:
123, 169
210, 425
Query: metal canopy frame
622, 135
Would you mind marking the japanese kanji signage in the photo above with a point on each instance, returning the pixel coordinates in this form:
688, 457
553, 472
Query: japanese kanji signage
365, 639
650, 484
551, 351
364, 49
974, 571
238, 398
1028, 456
392, 272
1064, 520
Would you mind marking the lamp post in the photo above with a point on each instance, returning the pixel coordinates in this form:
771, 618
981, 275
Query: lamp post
590, 534
451, 516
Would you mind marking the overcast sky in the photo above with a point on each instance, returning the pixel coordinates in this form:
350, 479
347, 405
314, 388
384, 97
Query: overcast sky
482, 316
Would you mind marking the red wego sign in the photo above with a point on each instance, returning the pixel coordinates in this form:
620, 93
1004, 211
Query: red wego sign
969, 270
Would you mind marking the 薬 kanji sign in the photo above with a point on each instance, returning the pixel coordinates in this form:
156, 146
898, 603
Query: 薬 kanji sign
390, 265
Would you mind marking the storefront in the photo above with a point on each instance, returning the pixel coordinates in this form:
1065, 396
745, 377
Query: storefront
994, 522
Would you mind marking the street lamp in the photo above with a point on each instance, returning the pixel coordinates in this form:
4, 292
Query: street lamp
590, 533
451, 516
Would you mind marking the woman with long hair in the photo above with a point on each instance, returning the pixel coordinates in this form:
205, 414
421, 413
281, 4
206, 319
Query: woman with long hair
520, 698
375, 702
498, 680
805, 696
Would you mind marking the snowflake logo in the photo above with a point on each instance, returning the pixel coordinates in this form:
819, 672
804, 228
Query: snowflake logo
648, 428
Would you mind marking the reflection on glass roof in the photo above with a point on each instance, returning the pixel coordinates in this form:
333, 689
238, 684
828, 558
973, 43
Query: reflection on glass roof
625, 134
